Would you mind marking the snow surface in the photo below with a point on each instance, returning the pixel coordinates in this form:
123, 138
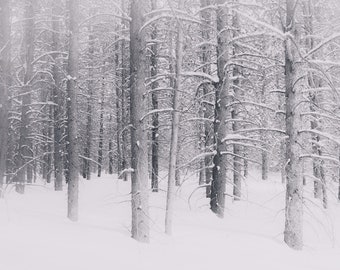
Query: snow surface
36, 235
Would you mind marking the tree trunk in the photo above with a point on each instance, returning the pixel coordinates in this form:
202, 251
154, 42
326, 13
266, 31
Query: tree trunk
57, 99
90, 86
72, 77
101, 124
264, 153
324, 187
205, 110
119, 109
201, 146
154, 101
315, 97
110, 150
174, 128
25, 145
101, 131
5, 32
138, 108
125, 121
293, 233
49, 145
245, 165
218, 184
235, 114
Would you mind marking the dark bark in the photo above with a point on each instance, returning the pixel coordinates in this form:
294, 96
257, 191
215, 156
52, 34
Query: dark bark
101, 132
154, 101
218, 184
110, 151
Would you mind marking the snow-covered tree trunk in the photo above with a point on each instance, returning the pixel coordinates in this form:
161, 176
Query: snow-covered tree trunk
154, 101
235, 112
121, 70
25, 145
280, 123
110, 149
124, 102
206, 137
57, 98
90, 89
263, 137
101, 130
5, 48
138, 108
119, 110
201, 146
245, 165
293, 233
315, 97
101, 125
174, 127
218, 183
72, 89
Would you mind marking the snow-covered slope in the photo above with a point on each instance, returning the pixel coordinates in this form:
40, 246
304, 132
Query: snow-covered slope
34, 233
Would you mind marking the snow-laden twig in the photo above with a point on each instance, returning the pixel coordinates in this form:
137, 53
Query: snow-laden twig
329, 158
323, 43
89, 159
262, 129
156, 111
169, 16
203, 75
323, 134
127, 170
235, 136
199, 156
244, 103
276, 32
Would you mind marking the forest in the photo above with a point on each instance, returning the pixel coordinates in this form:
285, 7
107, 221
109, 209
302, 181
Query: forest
211, 106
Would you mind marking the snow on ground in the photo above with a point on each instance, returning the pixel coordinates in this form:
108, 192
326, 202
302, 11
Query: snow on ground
36, 235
